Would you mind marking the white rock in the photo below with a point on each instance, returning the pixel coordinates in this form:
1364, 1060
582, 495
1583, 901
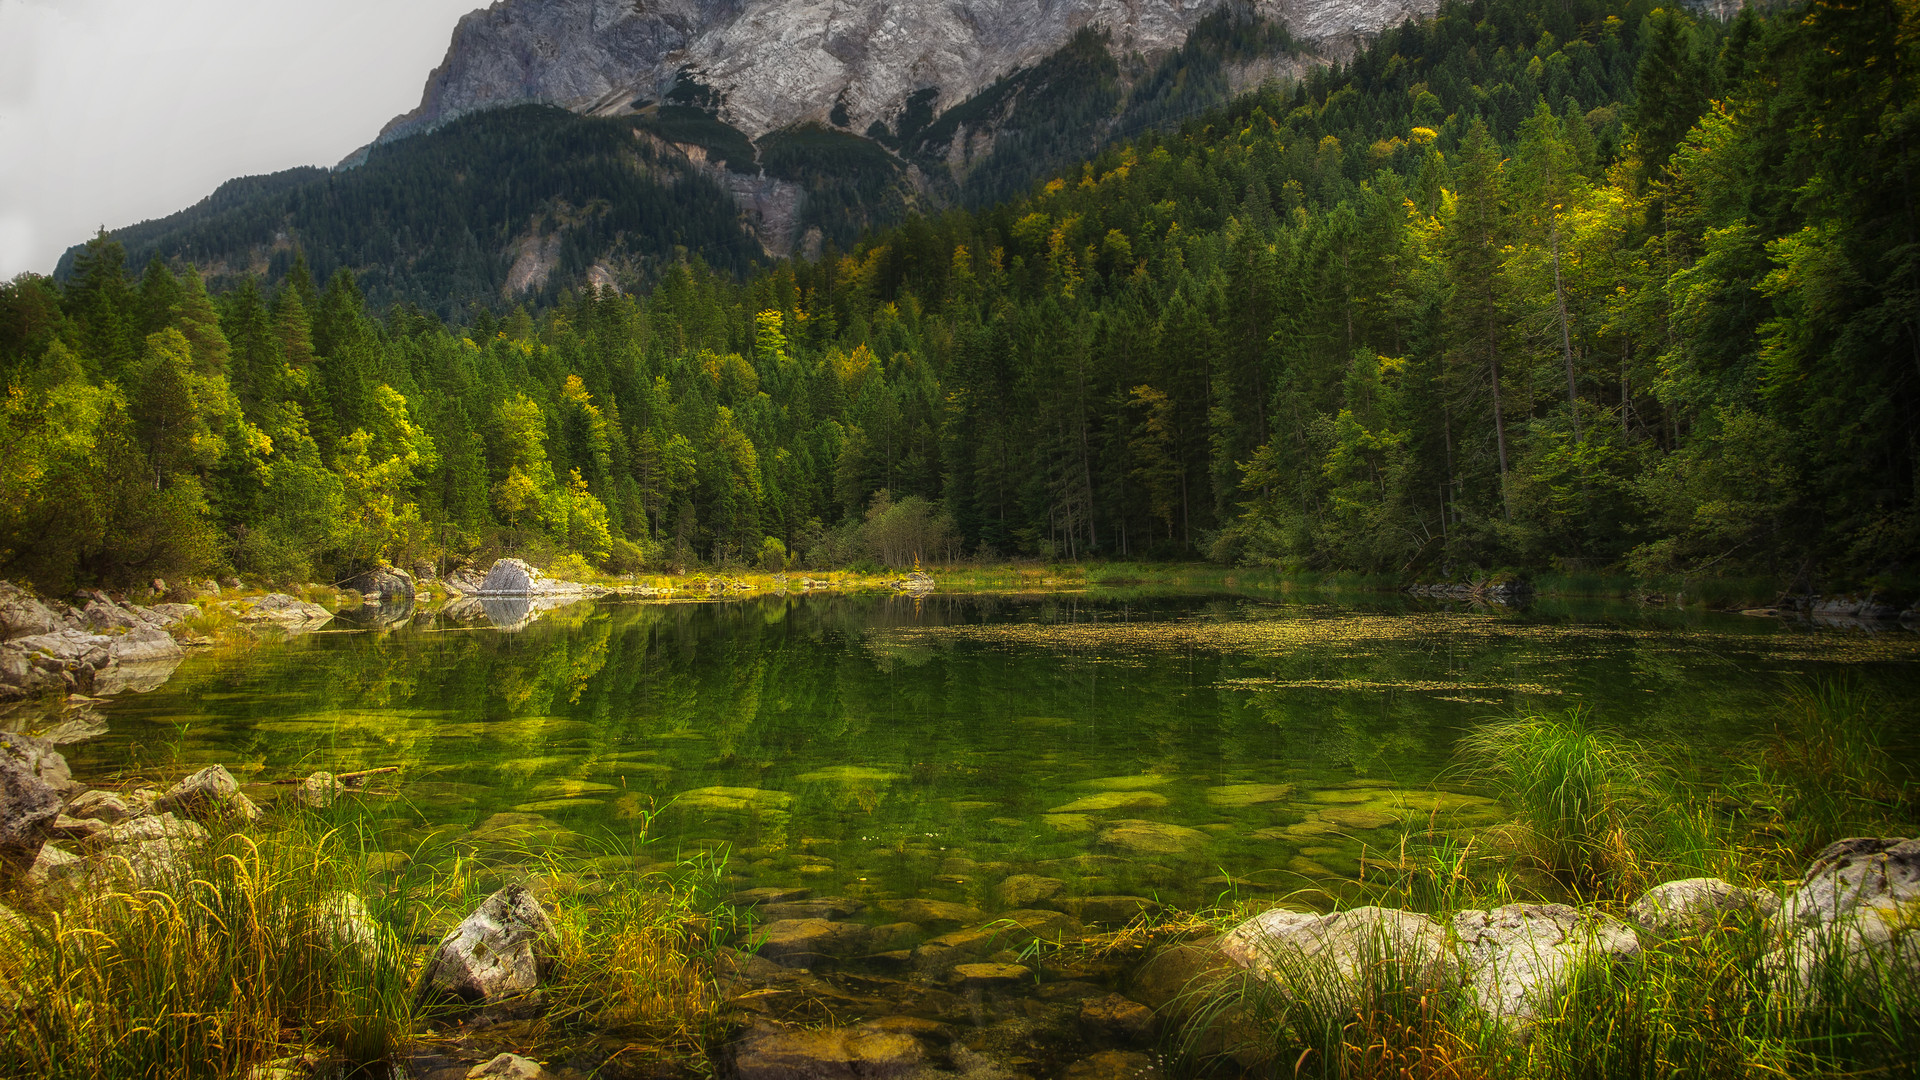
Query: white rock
1517, 957
1852, 873
1697, 905
1328, 954
498, 953
319, 790
211, 791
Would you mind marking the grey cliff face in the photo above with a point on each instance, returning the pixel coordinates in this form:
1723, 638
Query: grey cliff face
780, 62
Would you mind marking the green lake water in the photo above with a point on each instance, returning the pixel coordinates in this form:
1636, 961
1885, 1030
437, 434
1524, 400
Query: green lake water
1163, 745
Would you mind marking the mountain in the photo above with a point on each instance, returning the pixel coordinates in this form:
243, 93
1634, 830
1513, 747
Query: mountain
566, 142
848, 63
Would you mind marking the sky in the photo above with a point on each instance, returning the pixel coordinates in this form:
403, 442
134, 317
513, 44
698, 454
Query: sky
116, 111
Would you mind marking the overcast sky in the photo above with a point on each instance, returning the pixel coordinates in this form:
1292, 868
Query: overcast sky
115, 111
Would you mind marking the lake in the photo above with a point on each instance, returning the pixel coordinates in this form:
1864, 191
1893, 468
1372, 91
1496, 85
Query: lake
1140, 743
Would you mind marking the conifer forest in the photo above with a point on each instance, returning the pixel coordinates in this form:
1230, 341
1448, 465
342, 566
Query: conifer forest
1593, 286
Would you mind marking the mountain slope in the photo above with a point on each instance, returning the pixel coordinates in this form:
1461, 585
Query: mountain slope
515, 204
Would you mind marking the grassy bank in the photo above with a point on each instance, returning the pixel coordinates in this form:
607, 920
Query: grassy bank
302, 940
1597, 821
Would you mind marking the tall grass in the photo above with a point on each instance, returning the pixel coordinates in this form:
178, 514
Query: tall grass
1826, 772
208, 976
1741, 999
1576, 792
280, 943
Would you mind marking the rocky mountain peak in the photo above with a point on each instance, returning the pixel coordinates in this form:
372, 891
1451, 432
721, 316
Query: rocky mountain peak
769, 64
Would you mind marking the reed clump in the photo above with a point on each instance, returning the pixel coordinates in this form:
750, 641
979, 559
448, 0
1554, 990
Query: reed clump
1577, 793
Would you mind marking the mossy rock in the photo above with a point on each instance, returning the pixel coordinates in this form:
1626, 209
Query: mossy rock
1249, 794
1112, 800
1126, 783
735, 799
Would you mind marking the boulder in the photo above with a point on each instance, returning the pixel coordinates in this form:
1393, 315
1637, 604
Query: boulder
1851, 874
1855, 919
29, 804
145, 645
100, 806
349, 927
1304, 953
144, 853
1517, 957
466, 581
1697, 906
155, 828
50, 863
286, 612
319, 790
496, 957
512, 577
383, 583
73, 828
23, 614
211, 792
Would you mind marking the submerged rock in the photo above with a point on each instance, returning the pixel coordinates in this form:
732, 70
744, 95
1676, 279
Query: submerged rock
1111, 910
1111, 800
989, 975
1116, 1019
933, 914
865, 1052
1152, 838
804, 942
496, 957
735, 799
1027, 890
1239, 795
1113, 1065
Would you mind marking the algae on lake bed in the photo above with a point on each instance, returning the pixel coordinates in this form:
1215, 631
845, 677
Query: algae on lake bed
1284, 746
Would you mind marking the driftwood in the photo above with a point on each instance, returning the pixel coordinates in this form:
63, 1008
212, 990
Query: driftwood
351, 779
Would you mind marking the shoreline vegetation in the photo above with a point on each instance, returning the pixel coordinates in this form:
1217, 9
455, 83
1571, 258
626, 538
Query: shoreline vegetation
279, 941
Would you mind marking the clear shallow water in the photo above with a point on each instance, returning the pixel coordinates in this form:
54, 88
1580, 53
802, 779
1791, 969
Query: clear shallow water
1172, 746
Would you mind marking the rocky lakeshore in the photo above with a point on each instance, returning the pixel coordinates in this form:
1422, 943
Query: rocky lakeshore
1037, 983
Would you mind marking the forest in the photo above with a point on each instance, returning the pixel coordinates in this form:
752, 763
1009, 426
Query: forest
1585, 286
